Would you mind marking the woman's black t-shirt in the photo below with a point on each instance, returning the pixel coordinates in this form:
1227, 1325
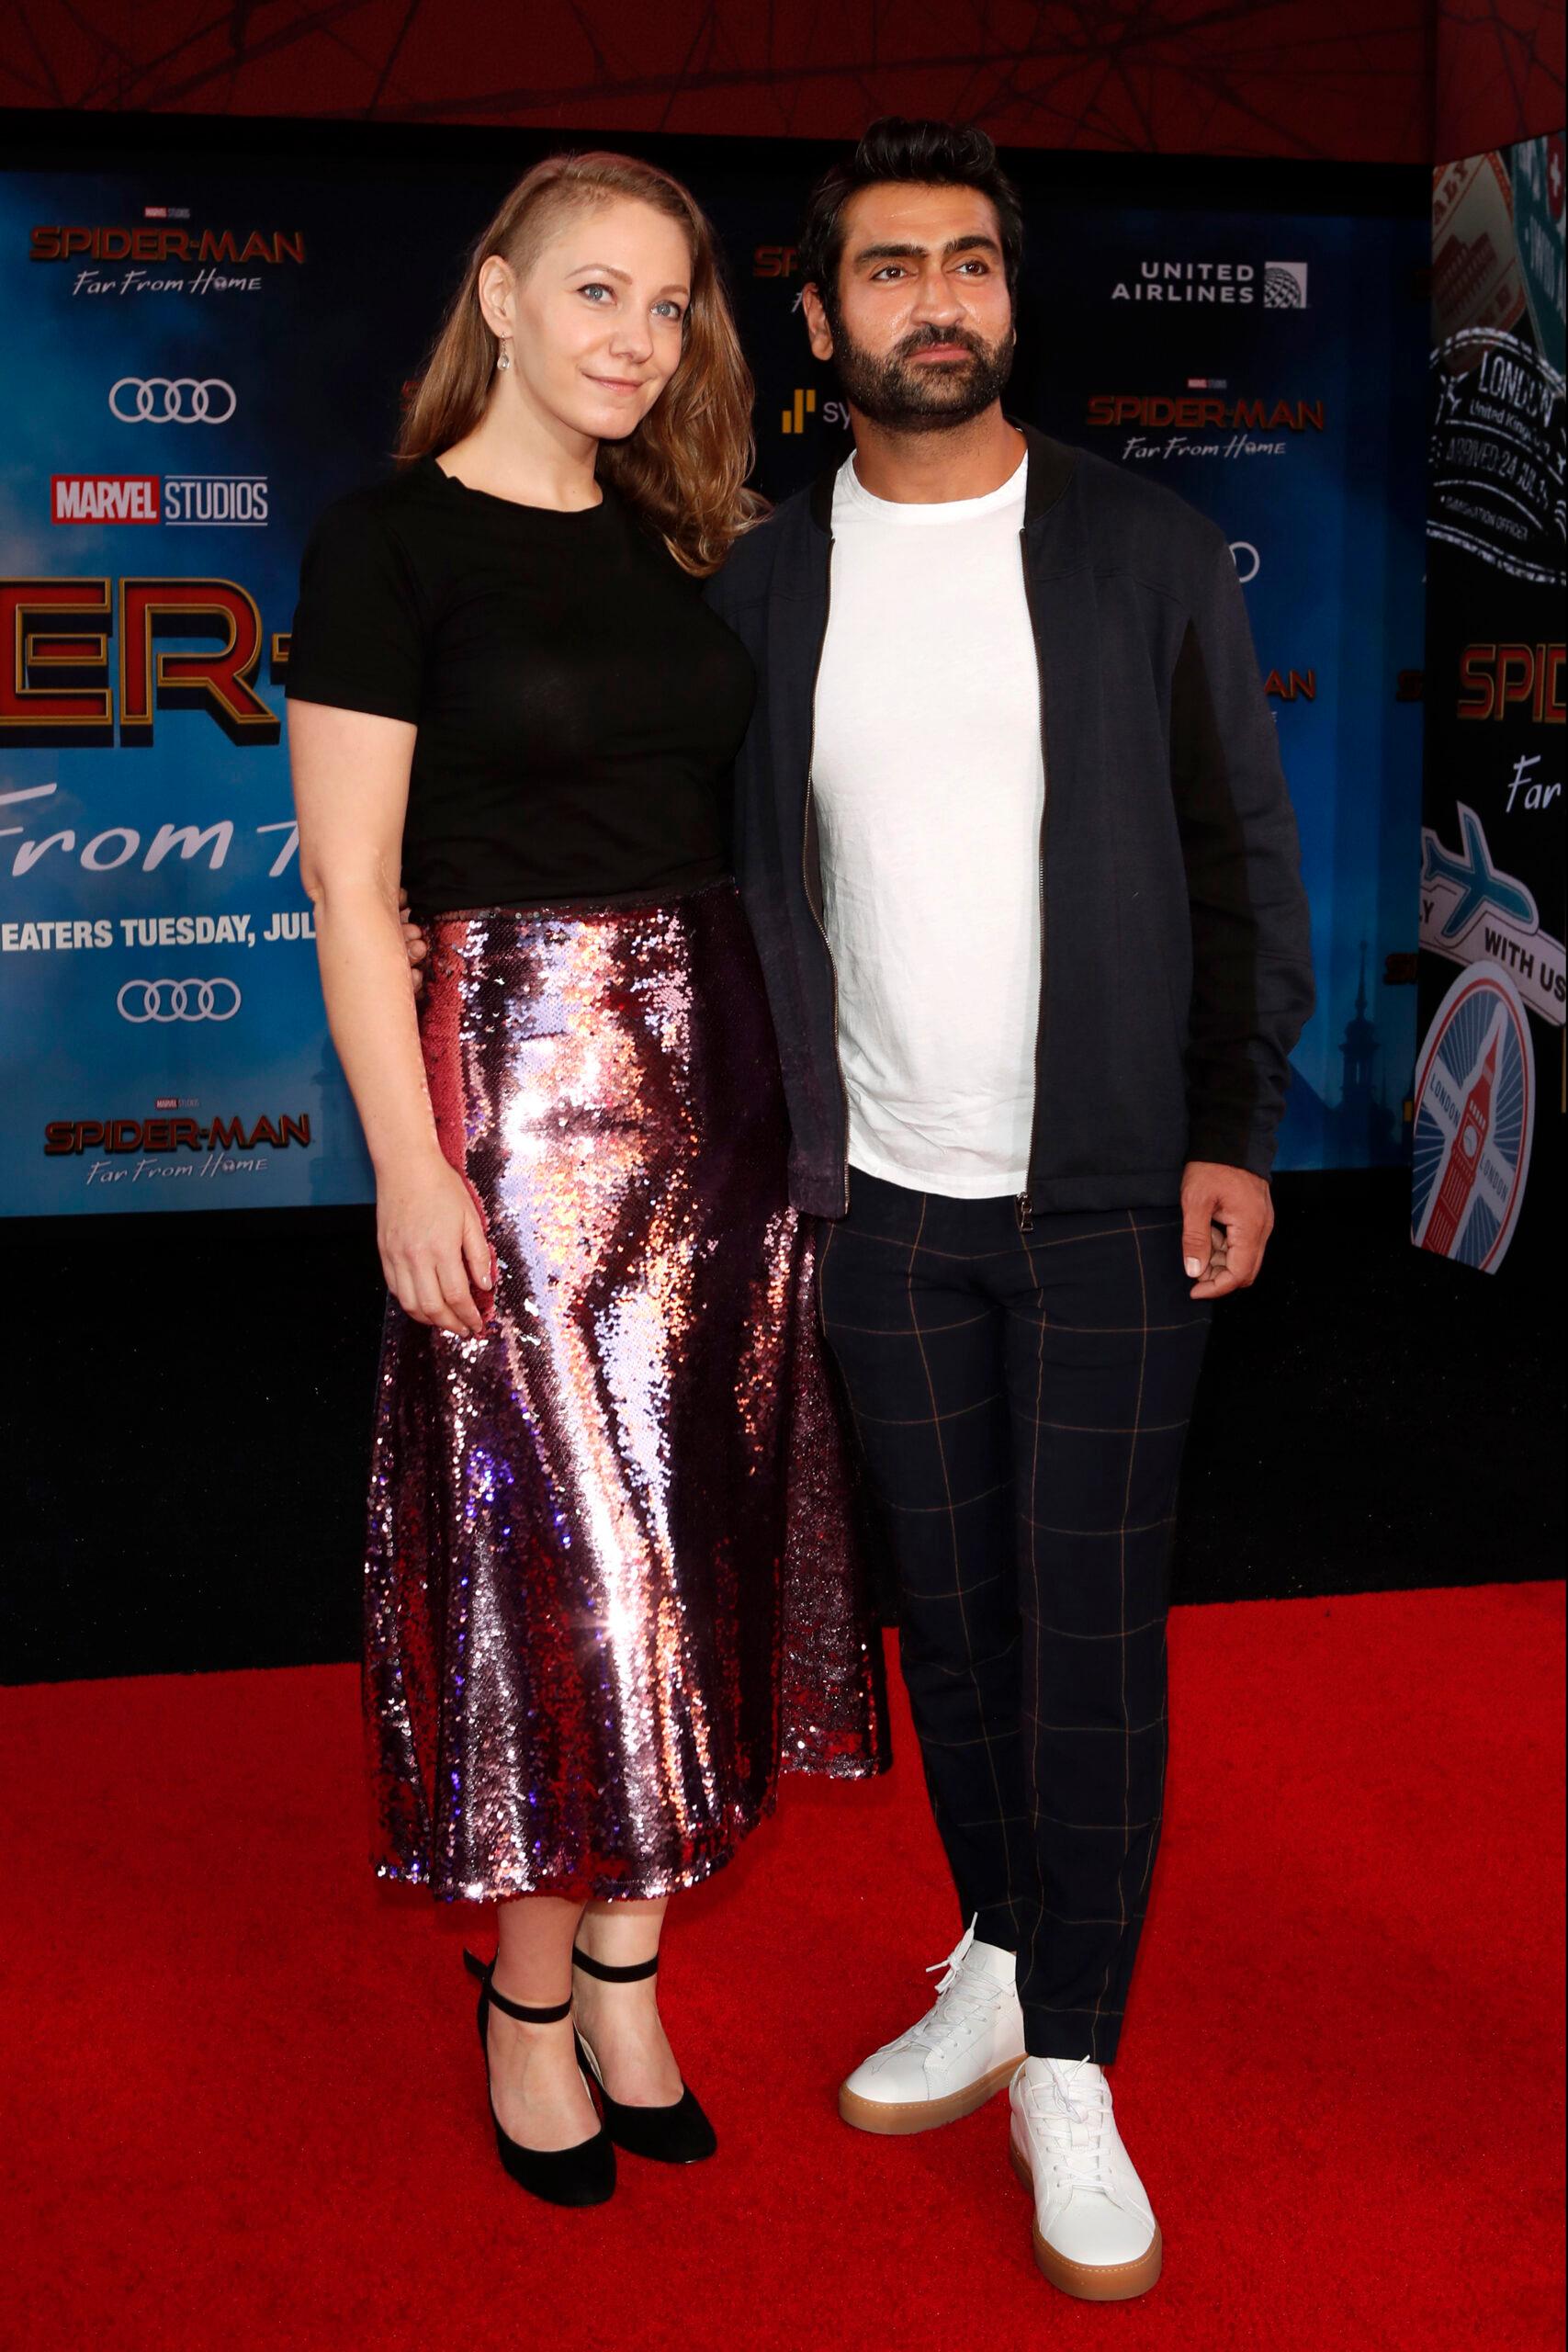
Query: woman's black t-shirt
577, 705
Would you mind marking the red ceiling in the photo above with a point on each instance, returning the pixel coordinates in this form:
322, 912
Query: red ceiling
1362, 80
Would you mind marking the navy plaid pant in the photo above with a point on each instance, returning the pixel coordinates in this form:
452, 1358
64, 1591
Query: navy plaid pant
1021, 1400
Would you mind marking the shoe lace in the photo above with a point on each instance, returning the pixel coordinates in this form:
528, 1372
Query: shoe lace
963, 1998
1073, 2116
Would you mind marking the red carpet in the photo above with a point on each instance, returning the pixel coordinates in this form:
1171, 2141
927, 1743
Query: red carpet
248, 2109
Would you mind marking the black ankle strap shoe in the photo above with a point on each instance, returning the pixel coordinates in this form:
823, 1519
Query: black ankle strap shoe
583, 2174
678, 2134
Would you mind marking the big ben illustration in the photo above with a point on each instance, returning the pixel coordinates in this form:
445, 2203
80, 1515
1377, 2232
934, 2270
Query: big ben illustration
1464, 1158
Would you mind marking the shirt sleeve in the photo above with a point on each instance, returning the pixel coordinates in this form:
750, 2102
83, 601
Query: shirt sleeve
357, 638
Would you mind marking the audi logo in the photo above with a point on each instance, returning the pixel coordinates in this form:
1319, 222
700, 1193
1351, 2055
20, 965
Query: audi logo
172, 400
1239, 548
178, 1000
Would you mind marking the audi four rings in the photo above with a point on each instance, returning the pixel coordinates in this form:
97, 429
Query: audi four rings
162, 400
179, 1001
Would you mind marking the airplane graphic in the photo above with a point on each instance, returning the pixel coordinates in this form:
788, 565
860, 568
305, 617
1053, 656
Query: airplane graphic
1481, 888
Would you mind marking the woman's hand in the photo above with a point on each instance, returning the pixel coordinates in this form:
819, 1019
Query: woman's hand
435, 1252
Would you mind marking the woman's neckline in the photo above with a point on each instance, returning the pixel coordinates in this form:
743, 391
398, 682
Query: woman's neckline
516, 505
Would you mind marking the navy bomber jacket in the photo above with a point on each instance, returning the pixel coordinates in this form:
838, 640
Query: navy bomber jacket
1176, 973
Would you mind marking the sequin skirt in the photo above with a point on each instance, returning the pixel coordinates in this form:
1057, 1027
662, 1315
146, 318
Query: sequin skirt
613, 1585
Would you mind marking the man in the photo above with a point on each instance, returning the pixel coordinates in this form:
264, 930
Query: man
1018, 853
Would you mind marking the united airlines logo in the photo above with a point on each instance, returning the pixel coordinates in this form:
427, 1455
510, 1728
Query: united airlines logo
1216, 283
1284, 285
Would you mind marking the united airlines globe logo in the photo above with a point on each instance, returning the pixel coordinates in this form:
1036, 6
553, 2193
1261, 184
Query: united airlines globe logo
1284, 285
1475, 1120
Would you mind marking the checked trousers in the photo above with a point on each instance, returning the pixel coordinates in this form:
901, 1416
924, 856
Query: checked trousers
1021, 1398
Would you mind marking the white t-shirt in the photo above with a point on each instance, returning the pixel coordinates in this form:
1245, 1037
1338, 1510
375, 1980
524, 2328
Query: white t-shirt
930, 783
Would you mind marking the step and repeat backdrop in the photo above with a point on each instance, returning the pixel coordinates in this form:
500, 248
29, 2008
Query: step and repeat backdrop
1490, 1074
201, 356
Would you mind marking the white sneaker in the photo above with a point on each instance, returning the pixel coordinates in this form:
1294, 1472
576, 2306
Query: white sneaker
959, 2055
1095, 2233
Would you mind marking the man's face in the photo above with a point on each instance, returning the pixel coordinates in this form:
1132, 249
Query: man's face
921, 327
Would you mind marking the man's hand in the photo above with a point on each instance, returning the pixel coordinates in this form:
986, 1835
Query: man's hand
415, 945
1227, 1214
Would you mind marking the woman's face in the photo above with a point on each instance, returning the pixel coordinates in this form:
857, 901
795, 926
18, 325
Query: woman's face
595, 323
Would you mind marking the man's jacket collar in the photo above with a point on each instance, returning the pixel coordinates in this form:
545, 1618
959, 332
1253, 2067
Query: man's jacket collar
1051, 466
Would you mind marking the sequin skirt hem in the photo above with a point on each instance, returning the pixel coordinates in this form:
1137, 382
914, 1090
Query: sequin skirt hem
633, 1886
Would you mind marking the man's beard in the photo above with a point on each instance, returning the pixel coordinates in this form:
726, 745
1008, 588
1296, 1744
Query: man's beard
904, 396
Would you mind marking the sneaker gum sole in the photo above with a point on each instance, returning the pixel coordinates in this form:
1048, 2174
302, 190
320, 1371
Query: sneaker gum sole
895, 2122
1092, 2283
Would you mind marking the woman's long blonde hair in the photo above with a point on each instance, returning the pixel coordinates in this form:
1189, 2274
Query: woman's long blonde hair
685, 466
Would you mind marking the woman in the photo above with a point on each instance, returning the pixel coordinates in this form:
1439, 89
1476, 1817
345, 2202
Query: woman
611, 1586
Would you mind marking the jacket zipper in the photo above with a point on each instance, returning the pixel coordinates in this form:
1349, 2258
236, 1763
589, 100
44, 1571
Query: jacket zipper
1025, 1202
805, 879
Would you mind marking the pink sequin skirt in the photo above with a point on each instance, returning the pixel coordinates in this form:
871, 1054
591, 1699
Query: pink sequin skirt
613, 1585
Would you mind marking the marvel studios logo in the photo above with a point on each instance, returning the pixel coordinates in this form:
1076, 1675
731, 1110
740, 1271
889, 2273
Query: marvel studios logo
192, 502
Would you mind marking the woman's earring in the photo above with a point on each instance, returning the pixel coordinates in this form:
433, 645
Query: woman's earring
503, 357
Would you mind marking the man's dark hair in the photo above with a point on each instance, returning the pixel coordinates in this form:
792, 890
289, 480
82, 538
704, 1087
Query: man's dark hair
931, 154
